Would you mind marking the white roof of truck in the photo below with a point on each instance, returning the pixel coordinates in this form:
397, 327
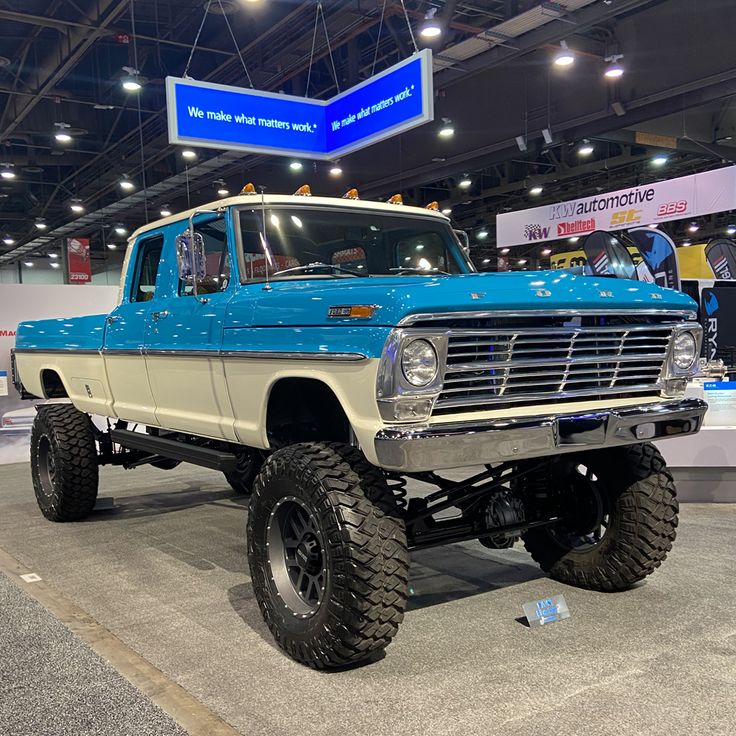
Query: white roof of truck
287, 199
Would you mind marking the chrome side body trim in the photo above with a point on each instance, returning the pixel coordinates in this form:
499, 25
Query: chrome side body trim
248, 354
413, 318
460, 444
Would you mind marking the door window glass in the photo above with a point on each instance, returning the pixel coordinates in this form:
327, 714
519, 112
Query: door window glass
216, 260
149, 258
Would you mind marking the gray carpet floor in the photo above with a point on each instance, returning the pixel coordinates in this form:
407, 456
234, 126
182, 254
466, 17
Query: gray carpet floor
165, 571
52, 684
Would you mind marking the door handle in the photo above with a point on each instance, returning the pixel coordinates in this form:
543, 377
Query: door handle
113, 318
156, 316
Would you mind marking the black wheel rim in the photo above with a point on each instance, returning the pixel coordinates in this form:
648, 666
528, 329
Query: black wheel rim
592, 518
296, 556
46, 466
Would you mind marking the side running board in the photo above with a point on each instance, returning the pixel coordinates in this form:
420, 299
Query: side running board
220, 460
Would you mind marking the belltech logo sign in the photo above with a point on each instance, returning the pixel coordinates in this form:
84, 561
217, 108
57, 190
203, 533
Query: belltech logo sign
576, 227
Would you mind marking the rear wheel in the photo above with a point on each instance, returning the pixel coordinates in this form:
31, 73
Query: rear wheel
621, 519
64, 462
328, 554
248, 467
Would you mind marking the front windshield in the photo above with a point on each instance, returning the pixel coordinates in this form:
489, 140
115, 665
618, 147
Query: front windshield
316, 242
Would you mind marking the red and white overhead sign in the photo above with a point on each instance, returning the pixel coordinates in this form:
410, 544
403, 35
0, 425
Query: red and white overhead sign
687, 196
80, 265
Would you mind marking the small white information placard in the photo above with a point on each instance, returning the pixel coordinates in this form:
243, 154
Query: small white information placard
546, 611
3, 383
721, 398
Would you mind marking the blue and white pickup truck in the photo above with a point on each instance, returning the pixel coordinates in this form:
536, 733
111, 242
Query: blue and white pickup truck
320, 352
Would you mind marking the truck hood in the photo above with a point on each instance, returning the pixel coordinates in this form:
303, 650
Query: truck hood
307, 302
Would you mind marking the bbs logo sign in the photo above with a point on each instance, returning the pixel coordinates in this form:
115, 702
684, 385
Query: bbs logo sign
672, 208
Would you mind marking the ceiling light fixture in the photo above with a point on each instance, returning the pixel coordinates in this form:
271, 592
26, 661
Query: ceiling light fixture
132, 80
55, 265
188, 154
465, 182
7, 171
165, 211
686, 243
61, 135
28, 264
574, 239
585, 148
482, 234
536, 190
447, 211
504, 251
659, 160
522, 261
120, 229
430, 27
53, 256
8, 240
76, 205
447, 130
486, 260
564, 57
295, 165
126, 184
693, 227
547, 252
41, 223
335, 169
112, 246
614, 70
731, 230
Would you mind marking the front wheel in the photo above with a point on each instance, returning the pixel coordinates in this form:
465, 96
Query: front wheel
327, 553
620, 512
64, 464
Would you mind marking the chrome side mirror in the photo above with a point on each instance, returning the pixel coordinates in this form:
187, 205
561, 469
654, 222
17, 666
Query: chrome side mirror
190, 257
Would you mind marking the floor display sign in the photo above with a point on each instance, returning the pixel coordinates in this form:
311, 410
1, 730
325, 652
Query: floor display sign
234, 118
20, 302
718, 309
546, 611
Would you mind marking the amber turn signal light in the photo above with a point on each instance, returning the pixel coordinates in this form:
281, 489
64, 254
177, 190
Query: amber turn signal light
353, 311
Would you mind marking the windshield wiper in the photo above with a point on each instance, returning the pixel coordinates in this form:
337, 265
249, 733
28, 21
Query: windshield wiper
314, 267
423, 271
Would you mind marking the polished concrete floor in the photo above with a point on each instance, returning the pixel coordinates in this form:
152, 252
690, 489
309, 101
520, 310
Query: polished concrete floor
164, 570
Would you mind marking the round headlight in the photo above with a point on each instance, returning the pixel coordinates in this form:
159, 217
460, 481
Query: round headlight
419, 363
684, 351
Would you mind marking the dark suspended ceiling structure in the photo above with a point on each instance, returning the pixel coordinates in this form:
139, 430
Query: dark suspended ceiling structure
519, 120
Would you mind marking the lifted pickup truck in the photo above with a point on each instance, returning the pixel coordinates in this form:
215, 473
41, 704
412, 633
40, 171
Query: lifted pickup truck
320, 352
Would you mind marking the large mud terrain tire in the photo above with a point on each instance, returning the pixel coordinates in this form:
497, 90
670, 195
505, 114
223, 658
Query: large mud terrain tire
64, 462
637, 501
328, 554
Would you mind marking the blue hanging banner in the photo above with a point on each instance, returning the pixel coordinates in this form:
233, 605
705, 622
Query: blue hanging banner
233, 118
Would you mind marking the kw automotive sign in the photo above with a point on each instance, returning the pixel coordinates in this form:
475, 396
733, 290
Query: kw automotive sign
233, 118
698, 194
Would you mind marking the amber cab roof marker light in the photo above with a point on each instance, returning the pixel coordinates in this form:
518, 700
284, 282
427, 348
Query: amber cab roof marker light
395, 199
304, 191
434, 206
249, 188
351, 194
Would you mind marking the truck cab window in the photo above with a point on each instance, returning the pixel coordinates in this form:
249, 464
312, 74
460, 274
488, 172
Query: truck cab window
149, 257
216, 260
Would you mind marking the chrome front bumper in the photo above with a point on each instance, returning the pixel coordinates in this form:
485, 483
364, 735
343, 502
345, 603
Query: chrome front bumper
460, 444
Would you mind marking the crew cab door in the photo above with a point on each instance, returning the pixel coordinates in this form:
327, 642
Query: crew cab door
125, 331
184, 336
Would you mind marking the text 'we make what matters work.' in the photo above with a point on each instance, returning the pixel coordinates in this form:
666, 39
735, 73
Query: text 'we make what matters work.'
242, 119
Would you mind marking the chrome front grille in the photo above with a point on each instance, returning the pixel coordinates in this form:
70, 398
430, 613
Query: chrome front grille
488, 367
